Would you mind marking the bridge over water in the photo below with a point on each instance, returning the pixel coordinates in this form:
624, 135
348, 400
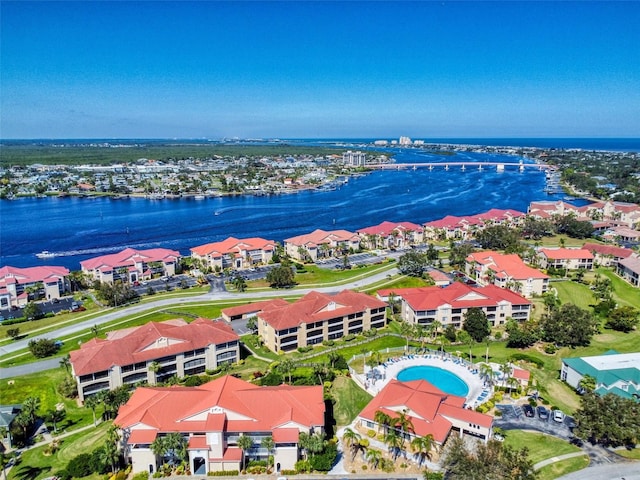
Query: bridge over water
500, 166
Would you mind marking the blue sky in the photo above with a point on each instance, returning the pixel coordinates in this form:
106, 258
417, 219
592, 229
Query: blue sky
319, 69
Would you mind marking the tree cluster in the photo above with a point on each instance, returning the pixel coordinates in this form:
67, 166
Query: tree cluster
43, 347
281, 277
623, 319
491, 461
117, 293
568, 326
499, 237
412, 263
609, 420
476, 324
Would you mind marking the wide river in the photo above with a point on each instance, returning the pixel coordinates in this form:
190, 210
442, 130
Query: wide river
79, 228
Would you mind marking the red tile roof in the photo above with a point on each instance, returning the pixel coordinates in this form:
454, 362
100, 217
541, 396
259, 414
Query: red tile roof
449, 221
318, 237
429, 408
129, 256
459, 295
233, 246
247, 407
316, 306
148, 342
617, 252
565, 253
142, 436
386, 228
508, 265
254, 307
46, 274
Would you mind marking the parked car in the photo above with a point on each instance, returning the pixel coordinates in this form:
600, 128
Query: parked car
558, 416
528, 410
543, 413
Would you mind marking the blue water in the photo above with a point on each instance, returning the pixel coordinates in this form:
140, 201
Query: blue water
440, 378
79, 228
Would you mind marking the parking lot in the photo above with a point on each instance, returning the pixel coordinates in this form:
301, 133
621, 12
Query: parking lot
513, 417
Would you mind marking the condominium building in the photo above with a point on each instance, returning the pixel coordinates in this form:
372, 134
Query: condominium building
15, 283
321, 244
607, 255
506, 271
354, 159
317, 317
391, 235
152, 353
132, 265
567, 258
235, 253
448, 305
212, 417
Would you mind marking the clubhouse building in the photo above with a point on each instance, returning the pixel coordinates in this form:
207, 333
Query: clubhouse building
213, 416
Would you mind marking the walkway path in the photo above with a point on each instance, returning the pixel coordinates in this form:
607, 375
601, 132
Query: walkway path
559, 458
74, 331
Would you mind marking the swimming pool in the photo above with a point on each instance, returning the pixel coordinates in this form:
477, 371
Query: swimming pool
443, 379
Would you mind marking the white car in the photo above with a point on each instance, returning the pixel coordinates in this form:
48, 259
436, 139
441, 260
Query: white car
558, 416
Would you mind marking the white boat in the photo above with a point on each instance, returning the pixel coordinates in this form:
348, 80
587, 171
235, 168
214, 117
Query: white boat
45, 254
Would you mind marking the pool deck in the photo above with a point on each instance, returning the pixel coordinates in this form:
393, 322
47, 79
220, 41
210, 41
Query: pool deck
479, 392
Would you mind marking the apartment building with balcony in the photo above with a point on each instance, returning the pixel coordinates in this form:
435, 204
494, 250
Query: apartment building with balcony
213, 416
448, 305
317, 317
391, 235
607, 255
321, 244
506, 271
132, 265
234, 253
49, 282
567, 258
151, 353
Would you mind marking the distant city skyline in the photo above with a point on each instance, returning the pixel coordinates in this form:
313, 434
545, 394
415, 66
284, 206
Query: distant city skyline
319, 69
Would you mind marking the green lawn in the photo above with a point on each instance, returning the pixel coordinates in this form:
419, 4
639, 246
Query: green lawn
633, 454
34, 464
563, 467
541, 446
573, 292
350, 400
43, 386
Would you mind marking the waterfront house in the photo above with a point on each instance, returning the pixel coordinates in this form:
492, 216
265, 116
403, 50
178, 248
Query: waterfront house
431, 411
151, 353
506, 271
617, 373
234, 253
447, 228
213, 416
616, 213
448, 305
49, 282
629, 269
391, 235
567, 258
132, 265
321, 244
317, 317
607, 255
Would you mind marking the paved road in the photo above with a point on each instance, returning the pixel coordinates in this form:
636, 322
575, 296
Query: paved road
619, 471
216, 293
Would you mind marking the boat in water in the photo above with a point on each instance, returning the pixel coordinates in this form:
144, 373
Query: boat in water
45, 254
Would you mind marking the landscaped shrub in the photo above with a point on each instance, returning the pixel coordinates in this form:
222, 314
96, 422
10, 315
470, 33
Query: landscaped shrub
306, 349
80, 466
550, 348
371, 433
328, 343
349, 338
225, 473
288, 472
257, 463
303, 466
323, 462
141, 476
527, 358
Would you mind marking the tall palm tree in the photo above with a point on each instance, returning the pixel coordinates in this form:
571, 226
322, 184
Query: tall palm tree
404, 423
422, 447
351, 439
486, 371
65, 362
382, 419
268, 444
373, 457
245, 443
394, 442
286, 367
92, 403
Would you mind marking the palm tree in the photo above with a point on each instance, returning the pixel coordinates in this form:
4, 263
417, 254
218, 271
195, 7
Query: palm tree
513, 383
286, 367
65, 362
30, 408
95, 330
268, 444
588, 383
486, 371
506, 370
245, 443
382, 419
406, 330
154, 367
404, 423
422, 446
373, 457
92, 403
351, 439
466, 339
394, 442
